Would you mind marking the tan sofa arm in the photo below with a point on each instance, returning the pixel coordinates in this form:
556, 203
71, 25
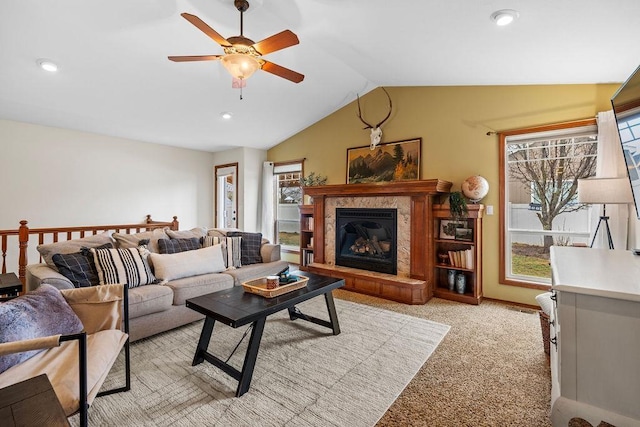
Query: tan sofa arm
42, 273
270, 252
98, 307
40, 343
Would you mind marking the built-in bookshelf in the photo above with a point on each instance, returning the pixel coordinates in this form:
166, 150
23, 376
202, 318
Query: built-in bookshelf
306, 235
458, 252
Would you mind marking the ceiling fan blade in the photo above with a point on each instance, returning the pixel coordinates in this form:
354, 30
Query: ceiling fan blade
280, 71
194, 58
276, 42
206, 29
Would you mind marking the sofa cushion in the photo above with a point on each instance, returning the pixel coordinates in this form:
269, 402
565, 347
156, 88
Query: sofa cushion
122, 266
186, 264
70, 246
250, 246
133, 240
79, 267
191, 287
149, 299
197, 232
173, 246
40, 313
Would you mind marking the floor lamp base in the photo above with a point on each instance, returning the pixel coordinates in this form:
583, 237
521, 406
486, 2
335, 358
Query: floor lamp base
604, 219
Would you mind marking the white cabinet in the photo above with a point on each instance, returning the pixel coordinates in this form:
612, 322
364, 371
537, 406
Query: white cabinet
595, 362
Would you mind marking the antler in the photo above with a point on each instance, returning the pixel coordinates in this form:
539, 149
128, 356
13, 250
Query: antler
370, 126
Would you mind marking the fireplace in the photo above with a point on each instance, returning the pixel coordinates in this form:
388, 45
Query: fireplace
366, 239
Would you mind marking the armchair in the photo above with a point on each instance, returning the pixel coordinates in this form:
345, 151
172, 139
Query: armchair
78, 364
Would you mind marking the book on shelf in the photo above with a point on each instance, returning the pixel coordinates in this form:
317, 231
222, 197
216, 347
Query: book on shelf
308, 258
310, 223
462, 259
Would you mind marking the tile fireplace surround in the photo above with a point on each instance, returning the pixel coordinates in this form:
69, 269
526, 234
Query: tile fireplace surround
413, 201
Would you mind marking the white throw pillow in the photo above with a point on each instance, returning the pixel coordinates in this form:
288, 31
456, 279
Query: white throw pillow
186, 264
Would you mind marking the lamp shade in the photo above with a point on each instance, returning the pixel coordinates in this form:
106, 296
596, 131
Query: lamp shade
604, 191
240, 66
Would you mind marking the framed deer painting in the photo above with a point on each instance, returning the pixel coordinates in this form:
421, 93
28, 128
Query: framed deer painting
391, 161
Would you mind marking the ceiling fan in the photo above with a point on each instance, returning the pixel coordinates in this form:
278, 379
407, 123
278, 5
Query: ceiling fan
242, 57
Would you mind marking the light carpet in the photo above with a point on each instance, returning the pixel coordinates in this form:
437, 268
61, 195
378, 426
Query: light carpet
304, 375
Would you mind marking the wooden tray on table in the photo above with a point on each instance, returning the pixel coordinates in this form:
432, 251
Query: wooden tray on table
259, 287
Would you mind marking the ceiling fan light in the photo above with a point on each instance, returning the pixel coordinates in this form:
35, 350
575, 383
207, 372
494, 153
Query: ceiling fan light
240, 66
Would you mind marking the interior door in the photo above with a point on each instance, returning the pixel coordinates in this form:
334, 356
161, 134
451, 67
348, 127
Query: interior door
226, 197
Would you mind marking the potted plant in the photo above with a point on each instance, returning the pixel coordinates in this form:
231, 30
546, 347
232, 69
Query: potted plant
311, 180
457, 204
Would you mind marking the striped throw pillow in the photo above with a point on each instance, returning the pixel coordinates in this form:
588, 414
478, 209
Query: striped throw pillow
122, 266
234, 252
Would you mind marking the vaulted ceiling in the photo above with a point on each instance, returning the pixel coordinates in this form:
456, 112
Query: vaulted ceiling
114, 77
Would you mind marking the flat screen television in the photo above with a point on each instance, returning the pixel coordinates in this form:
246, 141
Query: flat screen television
626, 107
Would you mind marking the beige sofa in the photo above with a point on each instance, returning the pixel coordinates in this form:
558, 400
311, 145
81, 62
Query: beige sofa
156, 308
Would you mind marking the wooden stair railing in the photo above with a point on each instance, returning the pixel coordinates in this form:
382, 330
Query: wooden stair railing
53, 234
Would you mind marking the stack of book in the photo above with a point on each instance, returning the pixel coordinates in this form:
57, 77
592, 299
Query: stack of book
462, 259
307, 257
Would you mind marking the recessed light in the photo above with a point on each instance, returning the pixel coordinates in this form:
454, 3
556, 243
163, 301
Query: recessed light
504, 17
226, 115
47, 65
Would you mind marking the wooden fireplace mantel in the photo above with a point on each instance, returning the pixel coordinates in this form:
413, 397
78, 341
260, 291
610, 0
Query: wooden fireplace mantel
425, 186
418, 290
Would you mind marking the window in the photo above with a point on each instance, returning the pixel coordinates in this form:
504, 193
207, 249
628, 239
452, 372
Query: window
539, 171
288, 198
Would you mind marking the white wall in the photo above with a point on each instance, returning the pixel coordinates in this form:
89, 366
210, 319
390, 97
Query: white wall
249, 183
252, 191
59, 177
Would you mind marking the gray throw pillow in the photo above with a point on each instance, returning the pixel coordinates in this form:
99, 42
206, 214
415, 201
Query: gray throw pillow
197, 232
126, 241
173, 246
40, 313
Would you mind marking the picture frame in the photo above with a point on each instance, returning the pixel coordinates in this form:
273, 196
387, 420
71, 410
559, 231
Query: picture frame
382, 165
448, 228
464, 234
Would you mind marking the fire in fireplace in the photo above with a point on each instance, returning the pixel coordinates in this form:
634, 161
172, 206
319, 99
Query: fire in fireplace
366, 239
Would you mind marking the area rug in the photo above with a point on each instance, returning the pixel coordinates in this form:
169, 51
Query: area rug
304, 375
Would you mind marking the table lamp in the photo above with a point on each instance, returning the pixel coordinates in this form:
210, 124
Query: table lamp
604, 191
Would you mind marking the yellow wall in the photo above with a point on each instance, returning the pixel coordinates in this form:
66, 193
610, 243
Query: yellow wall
453, 122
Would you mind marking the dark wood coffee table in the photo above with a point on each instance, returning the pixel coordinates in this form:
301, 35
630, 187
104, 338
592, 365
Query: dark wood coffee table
235, 307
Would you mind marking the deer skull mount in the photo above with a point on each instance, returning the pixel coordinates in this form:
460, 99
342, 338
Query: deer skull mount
376, 131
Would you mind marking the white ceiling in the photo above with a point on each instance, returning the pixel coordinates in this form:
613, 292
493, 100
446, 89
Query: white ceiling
115, 79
